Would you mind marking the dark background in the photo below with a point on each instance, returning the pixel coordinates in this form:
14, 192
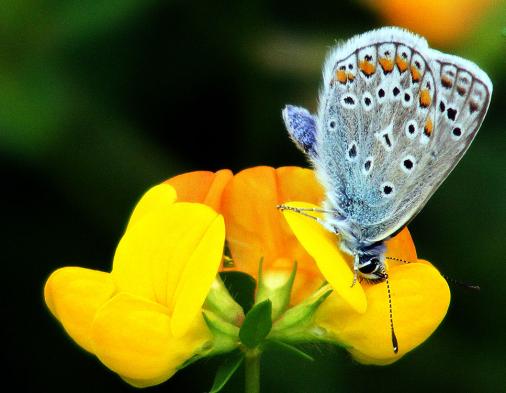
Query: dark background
101, 100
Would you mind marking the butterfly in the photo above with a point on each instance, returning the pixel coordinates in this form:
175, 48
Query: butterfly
394, 118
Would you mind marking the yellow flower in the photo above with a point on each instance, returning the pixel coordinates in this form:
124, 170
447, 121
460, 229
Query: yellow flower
420, 295
441, 22
357, 317
143, 320
255, 228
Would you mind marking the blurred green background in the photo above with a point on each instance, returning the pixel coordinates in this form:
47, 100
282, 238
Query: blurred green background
100, 100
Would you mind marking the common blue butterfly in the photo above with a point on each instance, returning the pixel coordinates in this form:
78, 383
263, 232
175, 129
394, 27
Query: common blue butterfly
394, 118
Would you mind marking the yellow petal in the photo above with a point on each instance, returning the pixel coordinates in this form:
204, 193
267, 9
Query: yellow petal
199, 273
143, 254
171, 256
420, 299
74, 295
323, 247
133, 337
156, 198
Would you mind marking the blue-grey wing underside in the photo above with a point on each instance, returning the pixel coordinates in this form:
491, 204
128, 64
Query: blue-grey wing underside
394, 119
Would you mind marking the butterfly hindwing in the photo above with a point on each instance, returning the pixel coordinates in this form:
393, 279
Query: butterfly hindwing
383, 143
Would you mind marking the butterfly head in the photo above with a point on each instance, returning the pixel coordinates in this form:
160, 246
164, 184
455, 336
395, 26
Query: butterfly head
371, 266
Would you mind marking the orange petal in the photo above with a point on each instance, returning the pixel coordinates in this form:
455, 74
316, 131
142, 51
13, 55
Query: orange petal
420, 300
255, 227
402, 247
74, 294
201, 187
298, 184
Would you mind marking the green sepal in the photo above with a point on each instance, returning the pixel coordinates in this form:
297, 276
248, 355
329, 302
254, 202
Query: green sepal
296, 324
276, 287
241, 287
226, 371
225, 335
221, 303
257, 325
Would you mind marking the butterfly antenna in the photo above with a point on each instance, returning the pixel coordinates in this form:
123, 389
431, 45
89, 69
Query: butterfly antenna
395, 344
449, 279
461, 283
397, 259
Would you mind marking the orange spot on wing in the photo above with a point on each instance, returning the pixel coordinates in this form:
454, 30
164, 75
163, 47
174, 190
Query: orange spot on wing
425, 98
351, 77
461, 90
415, 74
446, 82
473, 106
386, 64
402, 64
341, 76
367, 67
427, 129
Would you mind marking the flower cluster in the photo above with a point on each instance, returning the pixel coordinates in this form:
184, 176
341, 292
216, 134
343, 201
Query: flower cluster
164, 284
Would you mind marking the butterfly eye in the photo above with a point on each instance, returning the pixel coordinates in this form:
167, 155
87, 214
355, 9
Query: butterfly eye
368, 267
376, 263
387, 189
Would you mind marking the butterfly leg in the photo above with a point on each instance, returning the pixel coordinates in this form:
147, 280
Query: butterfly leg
305, 209
355, 270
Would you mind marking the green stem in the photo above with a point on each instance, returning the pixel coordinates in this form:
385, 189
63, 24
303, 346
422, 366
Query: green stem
252, 371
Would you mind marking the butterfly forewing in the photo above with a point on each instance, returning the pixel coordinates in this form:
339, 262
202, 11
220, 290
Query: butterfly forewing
394, 119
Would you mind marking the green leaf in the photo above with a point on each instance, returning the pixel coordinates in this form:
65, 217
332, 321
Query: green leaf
241, 287
292, 349
257, 325
226, 370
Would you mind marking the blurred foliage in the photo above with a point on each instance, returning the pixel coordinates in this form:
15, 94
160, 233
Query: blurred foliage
99, 100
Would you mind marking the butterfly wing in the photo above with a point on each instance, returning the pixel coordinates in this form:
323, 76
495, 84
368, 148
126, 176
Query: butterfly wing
394, 119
